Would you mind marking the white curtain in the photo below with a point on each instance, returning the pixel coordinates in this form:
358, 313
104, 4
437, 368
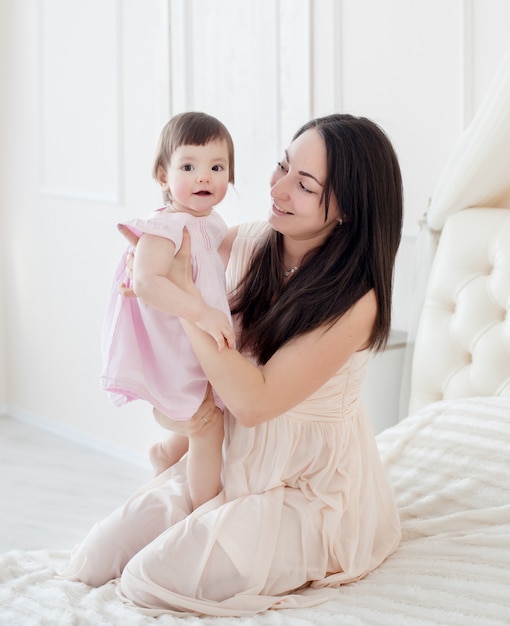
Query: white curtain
476, 175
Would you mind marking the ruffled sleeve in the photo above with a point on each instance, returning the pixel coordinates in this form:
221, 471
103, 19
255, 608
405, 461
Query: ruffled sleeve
161, 224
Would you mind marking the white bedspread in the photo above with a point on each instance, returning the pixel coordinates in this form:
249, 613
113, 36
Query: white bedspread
450, 468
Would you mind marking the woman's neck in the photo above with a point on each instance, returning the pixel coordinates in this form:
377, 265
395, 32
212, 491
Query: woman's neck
294, 252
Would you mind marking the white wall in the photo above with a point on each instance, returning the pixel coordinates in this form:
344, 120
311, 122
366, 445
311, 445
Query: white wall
85, 90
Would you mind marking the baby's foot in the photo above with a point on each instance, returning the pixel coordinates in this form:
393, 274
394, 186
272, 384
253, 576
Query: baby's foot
159, 458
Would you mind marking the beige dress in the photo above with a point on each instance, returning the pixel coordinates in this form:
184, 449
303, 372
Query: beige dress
306, 507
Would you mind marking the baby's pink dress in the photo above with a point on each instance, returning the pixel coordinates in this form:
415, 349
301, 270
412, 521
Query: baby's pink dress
146, 353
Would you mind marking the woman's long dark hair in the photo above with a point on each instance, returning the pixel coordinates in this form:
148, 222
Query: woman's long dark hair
364, 176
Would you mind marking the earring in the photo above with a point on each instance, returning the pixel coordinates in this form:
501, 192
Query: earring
340, 221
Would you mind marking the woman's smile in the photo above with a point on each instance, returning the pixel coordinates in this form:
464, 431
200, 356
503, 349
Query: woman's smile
279, 211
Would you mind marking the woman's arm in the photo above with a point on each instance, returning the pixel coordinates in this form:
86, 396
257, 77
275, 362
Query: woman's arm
256, 394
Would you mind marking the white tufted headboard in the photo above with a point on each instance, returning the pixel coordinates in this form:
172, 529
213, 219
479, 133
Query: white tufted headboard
462, 344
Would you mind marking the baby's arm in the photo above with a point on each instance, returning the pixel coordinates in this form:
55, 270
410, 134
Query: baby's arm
153, 261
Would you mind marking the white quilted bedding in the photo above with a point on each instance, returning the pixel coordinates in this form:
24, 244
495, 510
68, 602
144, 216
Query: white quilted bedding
450, 468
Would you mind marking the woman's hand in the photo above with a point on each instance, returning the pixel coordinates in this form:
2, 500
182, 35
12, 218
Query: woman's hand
212, 321
208, 418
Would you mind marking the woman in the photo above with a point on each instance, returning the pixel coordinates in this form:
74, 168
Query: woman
305, 504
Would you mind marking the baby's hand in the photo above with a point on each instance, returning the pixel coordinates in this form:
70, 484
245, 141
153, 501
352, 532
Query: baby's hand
216, 323
125, 289
128, 234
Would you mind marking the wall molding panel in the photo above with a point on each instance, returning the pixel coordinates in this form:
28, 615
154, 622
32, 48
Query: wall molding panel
294, 68
326, 52
277, 85
181, 55
80, 68
467, 52
86, 89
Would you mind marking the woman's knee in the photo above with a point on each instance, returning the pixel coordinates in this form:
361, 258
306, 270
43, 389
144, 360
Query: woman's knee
135, 581
159, 571
129, 584
94, 562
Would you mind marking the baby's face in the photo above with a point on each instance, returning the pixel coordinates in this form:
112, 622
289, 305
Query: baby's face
197, 177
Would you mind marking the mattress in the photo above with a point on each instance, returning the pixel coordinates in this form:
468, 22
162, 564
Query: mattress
449, 466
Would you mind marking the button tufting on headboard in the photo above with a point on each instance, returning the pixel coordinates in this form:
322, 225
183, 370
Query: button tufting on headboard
463, 341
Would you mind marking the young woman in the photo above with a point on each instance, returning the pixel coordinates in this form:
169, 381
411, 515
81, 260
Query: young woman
305, 505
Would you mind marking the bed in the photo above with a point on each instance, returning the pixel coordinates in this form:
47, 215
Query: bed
448, 462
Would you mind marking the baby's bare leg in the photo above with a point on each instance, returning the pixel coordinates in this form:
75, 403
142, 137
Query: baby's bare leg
205, 458
166, 453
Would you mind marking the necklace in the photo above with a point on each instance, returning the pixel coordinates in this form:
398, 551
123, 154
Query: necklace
290, 271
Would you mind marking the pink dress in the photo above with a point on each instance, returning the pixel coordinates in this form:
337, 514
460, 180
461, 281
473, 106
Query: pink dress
306, 507
146, 354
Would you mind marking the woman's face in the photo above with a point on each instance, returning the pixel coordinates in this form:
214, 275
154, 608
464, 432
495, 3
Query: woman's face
297, 185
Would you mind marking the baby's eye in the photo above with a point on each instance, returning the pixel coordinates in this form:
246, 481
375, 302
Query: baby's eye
281, 166
218, 168
187, 167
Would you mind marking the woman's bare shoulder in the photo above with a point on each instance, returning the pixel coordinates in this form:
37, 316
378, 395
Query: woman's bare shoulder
227, 243
360, 319
250, 230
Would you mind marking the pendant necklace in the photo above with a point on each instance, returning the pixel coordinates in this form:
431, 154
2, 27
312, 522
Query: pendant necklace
290, 271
